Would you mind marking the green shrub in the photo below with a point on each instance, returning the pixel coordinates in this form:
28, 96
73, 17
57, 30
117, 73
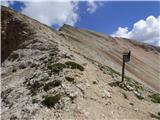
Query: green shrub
50, 101
33, 92
56, 68
35, 87
54, 51
155, 97
49, 85
74, 65
109, 70
69, 79
101, 67
34, 101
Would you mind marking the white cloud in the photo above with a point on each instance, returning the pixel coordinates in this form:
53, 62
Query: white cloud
6, 2
51, 13
147, 31
121, 32
93, 5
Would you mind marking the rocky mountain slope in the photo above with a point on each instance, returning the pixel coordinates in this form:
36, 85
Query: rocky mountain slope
74, 74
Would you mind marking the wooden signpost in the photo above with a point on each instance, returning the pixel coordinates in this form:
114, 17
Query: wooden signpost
126, 58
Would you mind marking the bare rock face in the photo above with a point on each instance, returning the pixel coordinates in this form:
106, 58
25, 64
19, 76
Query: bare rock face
12, 36
73, 73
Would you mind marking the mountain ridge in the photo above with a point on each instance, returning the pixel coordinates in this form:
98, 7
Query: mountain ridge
73, 74
115, 42
135, 42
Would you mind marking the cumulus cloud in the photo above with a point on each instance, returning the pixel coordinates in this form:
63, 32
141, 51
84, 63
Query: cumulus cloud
6, 3
51, 13
93, 5
147, 31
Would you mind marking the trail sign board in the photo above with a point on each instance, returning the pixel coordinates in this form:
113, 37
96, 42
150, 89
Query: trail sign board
126, 56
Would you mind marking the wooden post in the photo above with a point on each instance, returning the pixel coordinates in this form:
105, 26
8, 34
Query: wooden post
123, 68
126, 58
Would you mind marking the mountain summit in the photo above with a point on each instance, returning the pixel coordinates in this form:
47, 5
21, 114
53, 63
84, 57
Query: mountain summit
74, 73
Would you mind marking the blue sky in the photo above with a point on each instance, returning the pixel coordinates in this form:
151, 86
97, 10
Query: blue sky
114, 14
122, 19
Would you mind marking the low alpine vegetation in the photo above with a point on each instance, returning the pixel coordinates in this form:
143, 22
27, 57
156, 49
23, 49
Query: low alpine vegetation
74, 65
54, 51
69, 79
50, 101
52, 84
35, 87
56, 68
34, 101
155, 97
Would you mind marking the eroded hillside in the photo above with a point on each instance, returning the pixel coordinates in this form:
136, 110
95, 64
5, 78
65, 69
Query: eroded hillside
144, 65
74, 74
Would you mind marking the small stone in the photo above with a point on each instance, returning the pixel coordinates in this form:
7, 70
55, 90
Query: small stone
44, 77
129, 88
88, 85
73, 94
85, 113
139, 95
106, 94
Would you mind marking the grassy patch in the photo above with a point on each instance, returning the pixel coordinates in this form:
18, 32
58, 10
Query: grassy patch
109, 70
34, 101
70, 79
101, 67
56, 68
50, 101
155, 97
74, 65
49, 85
66, 56
34, 88
54, 51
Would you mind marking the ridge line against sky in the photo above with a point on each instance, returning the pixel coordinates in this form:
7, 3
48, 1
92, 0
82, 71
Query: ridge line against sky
100, 16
